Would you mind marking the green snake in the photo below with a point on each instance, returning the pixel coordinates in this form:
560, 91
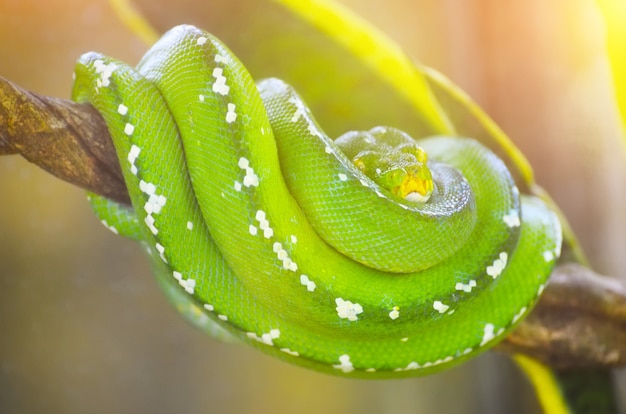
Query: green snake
373, 255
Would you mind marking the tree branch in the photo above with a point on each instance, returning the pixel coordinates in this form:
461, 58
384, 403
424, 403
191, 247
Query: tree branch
67, 139
580, 321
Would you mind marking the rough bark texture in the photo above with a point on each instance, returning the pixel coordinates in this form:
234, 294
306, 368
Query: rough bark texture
67, 139
580, 322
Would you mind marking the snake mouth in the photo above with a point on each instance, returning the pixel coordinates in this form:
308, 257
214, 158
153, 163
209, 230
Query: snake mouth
414, 188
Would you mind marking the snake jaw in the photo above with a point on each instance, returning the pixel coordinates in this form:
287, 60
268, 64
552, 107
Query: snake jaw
415, 188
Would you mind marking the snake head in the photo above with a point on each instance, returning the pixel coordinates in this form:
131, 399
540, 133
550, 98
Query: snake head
392, 159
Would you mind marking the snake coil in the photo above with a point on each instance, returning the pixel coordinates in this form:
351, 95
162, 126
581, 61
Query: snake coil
255, 217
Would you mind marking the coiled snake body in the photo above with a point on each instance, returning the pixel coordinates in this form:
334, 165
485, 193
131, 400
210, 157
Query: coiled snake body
309, 251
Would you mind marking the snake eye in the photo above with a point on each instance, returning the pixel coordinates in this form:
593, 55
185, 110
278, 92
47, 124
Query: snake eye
358, 163
415, 150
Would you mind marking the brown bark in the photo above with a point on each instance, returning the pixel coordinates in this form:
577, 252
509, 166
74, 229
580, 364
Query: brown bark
580, 322
67, 139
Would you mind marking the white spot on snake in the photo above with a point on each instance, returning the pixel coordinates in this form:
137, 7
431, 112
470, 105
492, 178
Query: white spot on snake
342, 177
395, 313
149, 220
264, 224
296, 115
541, 288
548, 256
348, 310
237, 186
404, 339
438, 362
161, 251
147, 188
313, 131
440, 306
220, 82
189, 285
177, 275
220, 59
412, 366
201, 40
111, 228
253, 230
122, 109
129, 129
328, 150
488, 334
208, 307
344, 364
222, 317
265, 338
305, 281
105, 72
201, 98
155, 203
498, 265
290, 352
281, 253
512, 219
231, 115
294, 239
289, 264
132, 157
250, 179
189, 225
364, 183
467, 351
370, 370
466, 288
520, 314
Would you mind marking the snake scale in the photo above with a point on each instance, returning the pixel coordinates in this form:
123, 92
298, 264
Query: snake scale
373, 255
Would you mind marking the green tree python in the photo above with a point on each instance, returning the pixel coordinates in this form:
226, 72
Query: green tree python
373, 255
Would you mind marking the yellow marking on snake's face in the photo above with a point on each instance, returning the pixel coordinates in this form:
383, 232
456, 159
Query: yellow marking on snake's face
415, 188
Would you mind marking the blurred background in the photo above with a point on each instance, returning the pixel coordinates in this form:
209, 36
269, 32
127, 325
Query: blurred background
84, 328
